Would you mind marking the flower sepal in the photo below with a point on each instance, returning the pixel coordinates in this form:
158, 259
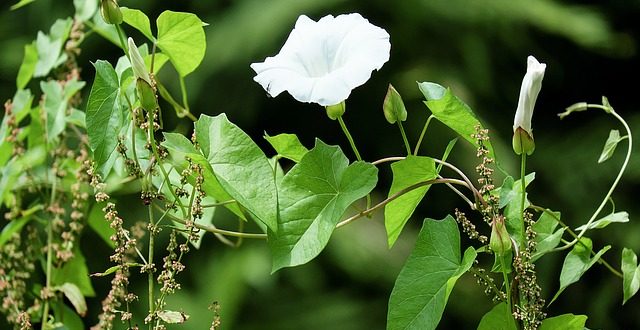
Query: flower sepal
110, 12
335, 111
147, 95
522, 142
500, 242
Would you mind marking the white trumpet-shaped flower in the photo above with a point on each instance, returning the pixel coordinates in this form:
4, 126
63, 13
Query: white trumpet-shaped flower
321, 62
531, 84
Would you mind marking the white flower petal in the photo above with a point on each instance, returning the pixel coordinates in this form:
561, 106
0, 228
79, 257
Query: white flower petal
531, 85
321, 62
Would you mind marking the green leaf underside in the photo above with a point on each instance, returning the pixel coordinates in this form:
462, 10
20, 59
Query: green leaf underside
547, 237
240, 166
287, 146
180, 147
513, 211
451, 111
577, 262
181, 37
104, 116
564, 322
610, 145
630, 274
72, 292
138, 20
498, 318
620, 217
407, 172
422, 289
313, 196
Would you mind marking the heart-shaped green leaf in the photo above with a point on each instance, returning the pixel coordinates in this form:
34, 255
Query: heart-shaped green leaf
630, 274
422, 289
313, 196
181, 37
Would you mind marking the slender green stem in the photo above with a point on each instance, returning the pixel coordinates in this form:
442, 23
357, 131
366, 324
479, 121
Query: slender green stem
424, 131
213, 229
123, 44
615, 182
507, 284
523, 185
231, 201
404, 137
49, 264
185, 102
150, 281
349, 137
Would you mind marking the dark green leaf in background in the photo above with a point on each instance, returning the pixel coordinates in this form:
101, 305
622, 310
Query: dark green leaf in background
498, 318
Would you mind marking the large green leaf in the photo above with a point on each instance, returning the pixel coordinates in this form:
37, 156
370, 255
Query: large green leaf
138, 20
577, 262
547, 237
452, 112
407, 172
179, 148
239, 166
181, 37
104, 114
498, 318
422, 289
564, 322
630, 274
313, 196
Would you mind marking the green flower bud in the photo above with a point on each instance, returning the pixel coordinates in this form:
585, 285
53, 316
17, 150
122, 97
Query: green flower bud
147, 95
500, 242
335, 111
522, 142
393, 107
110, 11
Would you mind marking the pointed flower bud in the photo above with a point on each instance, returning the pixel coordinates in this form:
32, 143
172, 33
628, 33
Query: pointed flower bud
137, 63
335, 111
500, 242
110, 12
531, 84
393, 107
144, 86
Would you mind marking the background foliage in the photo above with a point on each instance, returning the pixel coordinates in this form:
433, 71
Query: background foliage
477, 48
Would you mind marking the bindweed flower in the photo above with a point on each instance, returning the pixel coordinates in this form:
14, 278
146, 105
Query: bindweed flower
144, 86
321, 62
531, 84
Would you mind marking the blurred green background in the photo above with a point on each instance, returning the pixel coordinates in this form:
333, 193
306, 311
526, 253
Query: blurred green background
479, 49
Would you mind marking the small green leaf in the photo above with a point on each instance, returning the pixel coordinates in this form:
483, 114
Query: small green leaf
407, 172
577, 262
498, 318
393, 107
240, 166
620, 217
104, 114
181, 37
21, 4
15, 226
85, 9
287, 146
422, 289
114, 269
138, 20
630, 274
313, 196
55, 104
49, 47
72, 292
452, 112
28, 66
610, 146
173, 317
564, 322
547, 237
